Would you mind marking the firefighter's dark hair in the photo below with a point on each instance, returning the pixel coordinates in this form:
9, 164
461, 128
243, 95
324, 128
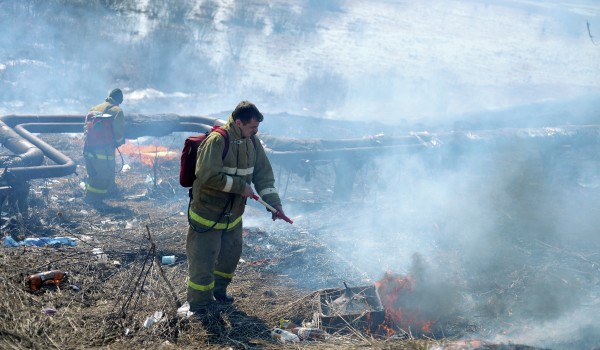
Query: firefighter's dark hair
246, 111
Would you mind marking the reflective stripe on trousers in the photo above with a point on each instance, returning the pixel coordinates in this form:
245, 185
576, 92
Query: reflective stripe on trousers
90, 188
100, 168
212, 259
98, 156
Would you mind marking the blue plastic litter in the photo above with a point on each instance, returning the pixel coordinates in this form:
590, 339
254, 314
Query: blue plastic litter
10, 242
39, 242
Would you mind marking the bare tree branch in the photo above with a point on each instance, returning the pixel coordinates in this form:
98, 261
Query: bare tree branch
590, 33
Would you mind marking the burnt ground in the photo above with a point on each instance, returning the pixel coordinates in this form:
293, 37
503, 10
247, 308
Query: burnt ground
110, 294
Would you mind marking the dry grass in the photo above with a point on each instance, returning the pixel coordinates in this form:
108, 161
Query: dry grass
113, 301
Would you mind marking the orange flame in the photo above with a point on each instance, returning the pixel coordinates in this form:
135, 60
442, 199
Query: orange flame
148, 154
393, 290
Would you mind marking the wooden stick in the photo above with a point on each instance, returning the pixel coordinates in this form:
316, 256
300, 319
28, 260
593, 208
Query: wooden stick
161, 272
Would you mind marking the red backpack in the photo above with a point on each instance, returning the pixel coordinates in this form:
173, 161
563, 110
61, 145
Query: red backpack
98, 129
187, 171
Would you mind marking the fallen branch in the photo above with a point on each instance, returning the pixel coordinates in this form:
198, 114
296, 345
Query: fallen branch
176, 301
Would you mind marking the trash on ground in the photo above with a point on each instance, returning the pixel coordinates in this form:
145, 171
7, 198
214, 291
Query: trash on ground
304, 332
359, 307
153, 319
184, 311
168, 259
47, 278
49, 311
39, 242
100, 255
283, 336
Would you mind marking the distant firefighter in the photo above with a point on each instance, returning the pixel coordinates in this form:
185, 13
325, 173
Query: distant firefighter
104, 131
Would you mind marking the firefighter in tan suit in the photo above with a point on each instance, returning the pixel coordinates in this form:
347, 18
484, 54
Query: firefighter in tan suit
104, 132
219, 194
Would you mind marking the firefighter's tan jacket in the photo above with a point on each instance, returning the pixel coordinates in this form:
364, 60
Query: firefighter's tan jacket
118, 121
220, 180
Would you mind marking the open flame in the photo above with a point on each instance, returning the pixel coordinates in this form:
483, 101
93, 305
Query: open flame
395, 292
148, 154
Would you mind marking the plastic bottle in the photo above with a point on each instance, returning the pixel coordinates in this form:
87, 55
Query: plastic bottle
168, 259
53, 277
308, 333
283, 336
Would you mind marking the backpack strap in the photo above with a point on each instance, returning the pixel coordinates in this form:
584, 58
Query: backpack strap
225, 136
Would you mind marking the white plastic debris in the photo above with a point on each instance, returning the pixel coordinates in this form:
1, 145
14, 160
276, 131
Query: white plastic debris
184, 311
153, 319
283, 336
100, 254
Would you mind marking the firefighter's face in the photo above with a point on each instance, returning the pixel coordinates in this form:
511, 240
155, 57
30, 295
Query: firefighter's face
248, 129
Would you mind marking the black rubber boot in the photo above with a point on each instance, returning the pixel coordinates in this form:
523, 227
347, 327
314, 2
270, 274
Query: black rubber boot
201, 309
224, 298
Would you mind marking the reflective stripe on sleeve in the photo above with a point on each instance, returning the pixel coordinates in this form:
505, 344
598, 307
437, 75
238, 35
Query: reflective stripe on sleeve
244, 172
267, 191
228, 184
229, 171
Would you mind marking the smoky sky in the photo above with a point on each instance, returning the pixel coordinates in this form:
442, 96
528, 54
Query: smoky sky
375, 60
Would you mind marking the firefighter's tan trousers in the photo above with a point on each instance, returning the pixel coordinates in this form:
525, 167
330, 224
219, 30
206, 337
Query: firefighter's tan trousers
212, 258
100, 167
